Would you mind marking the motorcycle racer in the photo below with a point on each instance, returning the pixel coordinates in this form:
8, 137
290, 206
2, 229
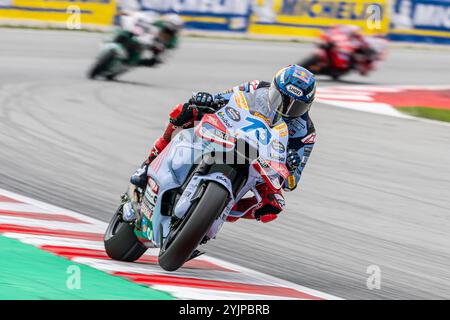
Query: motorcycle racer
141, 31
349, 48
288, 97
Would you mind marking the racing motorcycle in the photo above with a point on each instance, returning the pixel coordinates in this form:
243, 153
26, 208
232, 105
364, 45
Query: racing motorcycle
336, 57
118, 55
194, 183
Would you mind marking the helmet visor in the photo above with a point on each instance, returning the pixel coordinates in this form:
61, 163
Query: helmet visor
275, 98
285, 105
295, 108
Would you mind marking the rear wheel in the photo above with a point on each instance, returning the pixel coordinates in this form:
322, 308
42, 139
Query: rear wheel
312, 64
101, 64
120, 241
335, 76
184, 238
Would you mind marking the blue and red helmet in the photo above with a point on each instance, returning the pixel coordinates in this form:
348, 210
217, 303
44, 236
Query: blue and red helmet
292, 91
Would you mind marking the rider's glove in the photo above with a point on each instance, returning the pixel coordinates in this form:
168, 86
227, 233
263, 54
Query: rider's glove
293, 160
219, 101
202, 99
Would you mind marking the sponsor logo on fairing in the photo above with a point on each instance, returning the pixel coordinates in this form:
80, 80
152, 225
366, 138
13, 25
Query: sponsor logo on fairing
282, 129
278, 146
153, 185
261, 116
241, 101
233, 114
262, 163
150, 198
224, 119
277, 156
219, 177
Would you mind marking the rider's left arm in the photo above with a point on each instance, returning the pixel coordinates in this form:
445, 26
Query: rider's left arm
304, 145
294, 177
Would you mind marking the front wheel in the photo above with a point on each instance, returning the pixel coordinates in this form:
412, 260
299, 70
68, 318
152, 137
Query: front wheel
187, 235
120, 240
101, 64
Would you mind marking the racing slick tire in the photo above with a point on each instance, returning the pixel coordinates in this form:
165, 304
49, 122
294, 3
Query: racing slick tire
101, 64
120, 240
183, 240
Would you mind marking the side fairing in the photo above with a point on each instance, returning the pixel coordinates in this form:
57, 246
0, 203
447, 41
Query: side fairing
167, 172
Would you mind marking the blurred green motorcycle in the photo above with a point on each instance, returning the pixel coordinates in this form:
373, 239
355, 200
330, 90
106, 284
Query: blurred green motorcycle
117, 56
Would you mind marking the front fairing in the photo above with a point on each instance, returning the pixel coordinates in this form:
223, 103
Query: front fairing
253, 127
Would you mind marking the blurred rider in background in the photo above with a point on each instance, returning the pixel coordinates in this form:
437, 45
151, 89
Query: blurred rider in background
287, 98
349, 48
145, 31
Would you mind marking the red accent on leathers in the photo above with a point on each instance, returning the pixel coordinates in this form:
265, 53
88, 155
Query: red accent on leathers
268, 217
175, 113
162, 142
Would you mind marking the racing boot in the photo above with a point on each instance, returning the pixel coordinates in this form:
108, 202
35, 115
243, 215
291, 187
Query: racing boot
138, 183
140, 178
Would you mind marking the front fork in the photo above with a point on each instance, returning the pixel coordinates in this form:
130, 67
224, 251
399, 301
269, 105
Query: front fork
133, 197
142, 225
192, 190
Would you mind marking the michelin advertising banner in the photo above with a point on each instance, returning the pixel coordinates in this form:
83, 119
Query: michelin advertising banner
306, 18
421, 21
72, 14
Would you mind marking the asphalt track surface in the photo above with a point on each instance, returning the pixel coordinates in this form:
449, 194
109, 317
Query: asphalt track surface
375, 192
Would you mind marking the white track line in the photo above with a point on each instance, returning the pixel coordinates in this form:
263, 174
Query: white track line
357, 97
243, 275
56, 225
377, 108
25, 207
208, 294
146, 269
39, 240
344, 96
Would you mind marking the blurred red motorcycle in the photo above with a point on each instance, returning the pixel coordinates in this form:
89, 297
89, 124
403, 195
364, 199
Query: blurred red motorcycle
342, 49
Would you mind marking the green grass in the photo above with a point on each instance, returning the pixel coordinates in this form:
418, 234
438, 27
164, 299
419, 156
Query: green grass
428, 113
29, 273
